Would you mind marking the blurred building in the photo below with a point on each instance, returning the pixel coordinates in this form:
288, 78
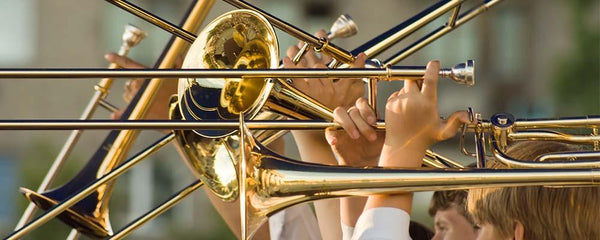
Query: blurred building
518, 46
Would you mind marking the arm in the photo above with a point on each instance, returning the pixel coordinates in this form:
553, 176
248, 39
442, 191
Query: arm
412, 125
358, 144
312, 145
159, 110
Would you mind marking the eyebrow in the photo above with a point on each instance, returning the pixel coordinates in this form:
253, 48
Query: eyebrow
438, 222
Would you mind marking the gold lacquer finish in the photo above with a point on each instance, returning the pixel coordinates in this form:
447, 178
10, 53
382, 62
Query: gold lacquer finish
240, 39
210, 159
95, 222
270, 183
91, 217
504, 130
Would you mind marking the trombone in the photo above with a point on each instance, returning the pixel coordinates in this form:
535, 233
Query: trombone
131, 37
320, 43
283, 168
371, 48
93, 221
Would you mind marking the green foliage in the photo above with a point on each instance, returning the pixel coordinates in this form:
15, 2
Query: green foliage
577, 81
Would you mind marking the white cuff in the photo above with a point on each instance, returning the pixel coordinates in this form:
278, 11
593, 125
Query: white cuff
347, 232
383, 223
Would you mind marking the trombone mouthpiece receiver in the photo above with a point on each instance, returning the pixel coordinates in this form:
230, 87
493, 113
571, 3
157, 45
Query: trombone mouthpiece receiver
133, 36
343, 27
463, 73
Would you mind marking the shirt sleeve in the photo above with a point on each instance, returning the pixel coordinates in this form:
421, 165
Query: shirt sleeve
347, 232
297, 222
383, 223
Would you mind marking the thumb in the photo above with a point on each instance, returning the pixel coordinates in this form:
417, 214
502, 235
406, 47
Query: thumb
331, 136
449, 128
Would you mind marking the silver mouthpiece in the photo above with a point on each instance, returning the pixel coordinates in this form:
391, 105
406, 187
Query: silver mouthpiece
464, 73
343, 27
132, 36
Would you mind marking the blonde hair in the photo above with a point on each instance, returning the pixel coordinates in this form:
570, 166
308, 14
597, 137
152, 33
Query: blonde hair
546, 213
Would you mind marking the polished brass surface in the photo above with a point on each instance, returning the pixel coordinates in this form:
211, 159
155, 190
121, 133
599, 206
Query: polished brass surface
100, 183
266, 182
182, 33
238, 40
326, 47
343, 27
504, 130
416, 25
461, 73
157, 211
23, 124
243, 39
97, 222
119, 147
448, 27
269, 183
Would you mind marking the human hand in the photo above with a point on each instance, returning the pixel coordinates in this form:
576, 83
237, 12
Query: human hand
412, 120
359, 144
160, 106
329, 92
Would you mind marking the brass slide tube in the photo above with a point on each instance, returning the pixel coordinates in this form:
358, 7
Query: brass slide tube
81, 194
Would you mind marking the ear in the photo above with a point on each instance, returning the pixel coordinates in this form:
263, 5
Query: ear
519, 230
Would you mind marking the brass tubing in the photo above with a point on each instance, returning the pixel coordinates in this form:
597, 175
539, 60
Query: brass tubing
393, 73
53, 212
323, 45
524, 124
434, 35
166, 124
242, 178
155, 20
176, 198
130, 38
27, 124
108, 106
553, 136
453, 17
60, 159
446, 161
432, 162
596, 143
372, 94
588, 121
569, 156
412, 27
480, 148
515, 163
345, 182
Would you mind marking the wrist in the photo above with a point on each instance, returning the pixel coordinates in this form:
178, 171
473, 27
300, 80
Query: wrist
406, 155
358, 161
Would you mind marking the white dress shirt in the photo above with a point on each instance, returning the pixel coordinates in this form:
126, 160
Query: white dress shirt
297, 222
383, 223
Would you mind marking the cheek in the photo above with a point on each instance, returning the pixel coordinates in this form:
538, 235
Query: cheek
486, 232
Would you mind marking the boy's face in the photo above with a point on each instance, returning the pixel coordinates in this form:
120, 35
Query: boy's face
449, 224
